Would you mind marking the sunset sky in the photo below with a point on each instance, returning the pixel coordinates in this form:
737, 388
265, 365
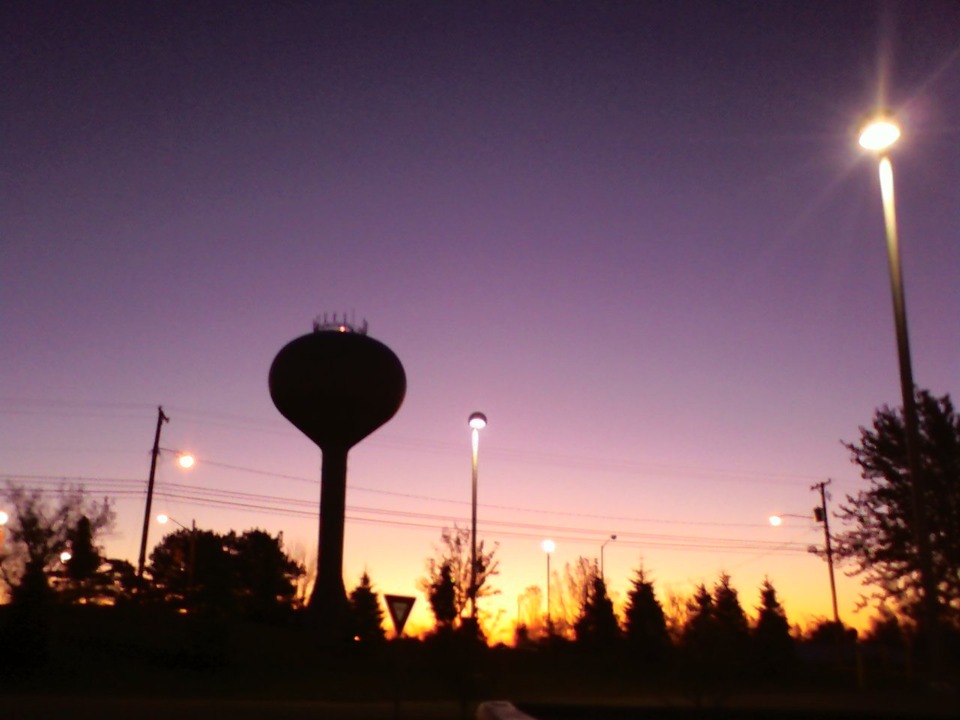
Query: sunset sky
639, 236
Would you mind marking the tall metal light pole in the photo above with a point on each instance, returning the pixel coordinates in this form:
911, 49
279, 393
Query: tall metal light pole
161, 419
602, 546
477, 422
548, 547
878, 136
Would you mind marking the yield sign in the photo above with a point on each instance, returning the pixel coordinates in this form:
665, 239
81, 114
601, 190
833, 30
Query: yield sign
399, 607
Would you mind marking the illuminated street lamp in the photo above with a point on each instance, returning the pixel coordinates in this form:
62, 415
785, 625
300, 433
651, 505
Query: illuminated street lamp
65, 557
477, 422
820, 516
878, 135
602, 546
4, 519
186, 461
548, 547
777, 520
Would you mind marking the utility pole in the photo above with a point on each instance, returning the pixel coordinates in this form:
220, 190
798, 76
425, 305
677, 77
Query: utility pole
161, 419
823, 516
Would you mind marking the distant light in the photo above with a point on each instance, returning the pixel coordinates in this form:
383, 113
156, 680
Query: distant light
478, 421
776, 520
879, 134
163, 519
343, 328
3, 518
548, 546
186, 460
65, 556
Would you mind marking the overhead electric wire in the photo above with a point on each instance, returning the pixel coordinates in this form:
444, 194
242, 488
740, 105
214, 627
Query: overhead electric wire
280, 505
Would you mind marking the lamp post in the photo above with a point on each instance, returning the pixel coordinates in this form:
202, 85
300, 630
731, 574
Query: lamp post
878, 135
602, 546
548, 547
477, 422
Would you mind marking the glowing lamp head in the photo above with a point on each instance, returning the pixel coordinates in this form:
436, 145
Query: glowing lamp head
879, 134
163, 519
478, 421
65, 557
776, 520
186, 461
548, 546
4, 518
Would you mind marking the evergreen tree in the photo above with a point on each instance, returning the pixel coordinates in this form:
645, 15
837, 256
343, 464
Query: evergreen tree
442, 596
698, 644
731, 620
733, 630
597, 625
81, 580
367, 613
699, 632
646, 626
882, 540
773, 646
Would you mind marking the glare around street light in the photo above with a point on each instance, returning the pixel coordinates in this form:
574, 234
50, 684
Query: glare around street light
186, 461
548, 546
163, 519
3, 518
776, 520
65, 556
879, 134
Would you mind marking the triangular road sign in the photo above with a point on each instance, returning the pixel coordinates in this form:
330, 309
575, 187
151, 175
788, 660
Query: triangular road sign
399, 607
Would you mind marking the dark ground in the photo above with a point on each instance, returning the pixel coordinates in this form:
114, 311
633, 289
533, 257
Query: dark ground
109, 663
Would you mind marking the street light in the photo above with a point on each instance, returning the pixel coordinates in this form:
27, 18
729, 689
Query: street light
819, 515
548, 547
186, 461
878, 135
4, 518
777, 520
477, 422
602, 546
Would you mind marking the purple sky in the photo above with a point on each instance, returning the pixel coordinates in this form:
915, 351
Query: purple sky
639, 236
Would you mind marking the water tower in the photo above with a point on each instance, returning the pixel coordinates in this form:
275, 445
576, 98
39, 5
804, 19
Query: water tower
336, 385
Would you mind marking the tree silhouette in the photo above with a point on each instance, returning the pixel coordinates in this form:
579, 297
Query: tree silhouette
453, 559
881, 544
570, 593
773, 645
645, 623
40, 530
367, 613
531, 611
732, 626
37, 532
597, 624
265, 575
247, 575
442, 594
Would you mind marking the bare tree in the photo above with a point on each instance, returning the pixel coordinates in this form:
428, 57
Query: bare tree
453, 556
